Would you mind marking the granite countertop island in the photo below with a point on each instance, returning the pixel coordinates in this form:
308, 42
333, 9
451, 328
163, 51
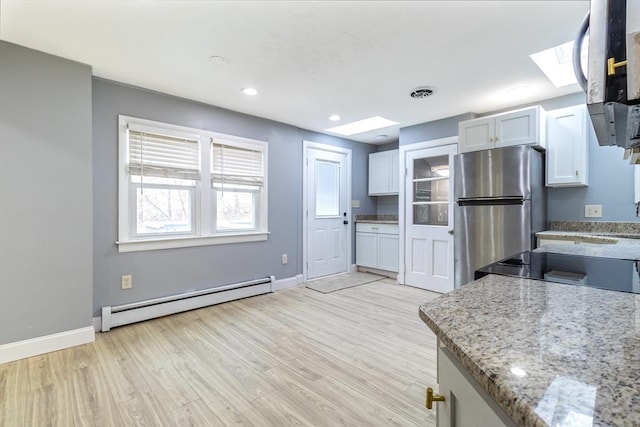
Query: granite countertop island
547, 353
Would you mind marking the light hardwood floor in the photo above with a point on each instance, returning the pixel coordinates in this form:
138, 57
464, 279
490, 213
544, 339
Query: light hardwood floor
356, 357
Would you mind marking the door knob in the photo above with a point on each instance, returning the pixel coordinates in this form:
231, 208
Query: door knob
450, 231
432, 398
345, 222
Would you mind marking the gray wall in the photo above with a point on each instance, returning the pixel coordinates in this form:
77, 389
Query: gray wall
166, 272
45, 194
436, 129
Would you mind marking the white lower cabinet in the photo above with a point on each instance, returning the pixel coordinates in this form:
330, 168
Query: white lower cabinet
377, 246
465, 404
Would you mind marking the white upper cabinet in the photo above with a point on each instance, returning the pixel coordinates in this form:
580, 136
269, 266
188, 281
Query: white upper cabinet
383, 173
568, 132
525, 126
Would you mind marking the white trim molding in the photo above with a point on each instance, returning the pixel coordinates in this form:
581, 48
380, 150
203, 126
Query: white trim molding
184, 242
288, 282
46, 344
402, 171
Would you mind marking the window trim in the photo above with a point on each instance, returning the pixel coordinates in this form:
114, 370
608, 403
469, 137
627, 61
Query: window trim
205, 232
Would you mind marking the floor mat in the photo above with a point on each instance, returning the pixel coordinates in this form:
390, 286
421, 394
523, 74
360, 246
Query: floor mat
342, 281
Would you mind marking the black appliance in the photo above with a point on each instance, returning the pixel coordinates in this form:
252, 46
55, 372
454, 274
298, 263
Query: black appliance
596, 272
613, 81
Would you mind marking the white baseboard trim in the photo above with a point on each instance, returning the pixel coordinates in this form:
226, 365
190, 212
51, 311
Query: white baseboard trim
353, 268
48, 343
288, 282
97, 323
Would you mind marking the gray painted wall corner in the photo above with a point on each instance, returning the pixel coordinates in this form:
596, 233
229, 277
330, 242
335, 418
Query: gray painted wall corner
46, 219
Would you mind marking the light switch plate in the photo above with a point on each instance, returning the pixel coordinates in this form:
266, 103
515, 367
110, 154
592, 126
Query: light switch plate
593, 211
355, 203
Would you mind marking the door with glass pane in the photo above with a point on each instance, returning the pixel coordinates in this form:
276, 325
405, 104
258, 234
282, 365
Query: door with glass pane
327, 221
429, 218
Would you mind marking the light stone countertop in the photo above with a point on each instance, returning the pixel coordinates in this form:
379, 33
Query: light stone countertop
547, 353
620, 248
377, 219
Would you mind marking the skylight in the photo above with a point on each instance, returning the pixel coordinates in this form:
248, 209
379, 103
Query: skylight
556, 62
361, 126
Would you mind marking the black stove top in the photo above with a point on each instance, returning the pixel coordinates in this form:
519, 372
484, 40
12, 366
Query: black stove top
604, 273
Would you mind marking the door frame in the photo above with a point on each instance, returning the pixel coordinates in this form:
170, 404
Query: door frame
305, 204
402, 170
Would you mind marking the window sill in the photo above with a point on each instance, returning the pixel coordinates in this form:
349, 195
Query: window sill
185, 242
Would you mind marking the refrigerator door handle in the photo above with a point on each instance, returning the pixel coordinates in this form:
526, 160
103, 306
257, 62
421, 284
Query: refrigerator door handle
491, 201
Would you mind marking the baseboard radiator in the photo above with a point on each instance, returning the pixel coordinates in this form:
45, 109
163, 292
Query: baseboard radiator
144, 310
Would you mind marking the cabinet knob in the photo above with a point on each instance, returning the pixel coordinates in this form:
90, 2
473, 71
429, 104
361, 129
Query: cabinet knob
432, 398
490, 139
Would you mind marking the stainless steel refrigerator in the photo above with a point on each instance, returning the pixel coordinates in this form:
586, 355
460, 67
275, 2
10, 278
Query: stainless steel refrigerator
500, 204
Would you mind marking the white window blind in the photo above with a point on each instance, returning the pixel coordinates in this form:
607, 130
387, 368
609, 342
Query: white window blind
153, 154
235, 165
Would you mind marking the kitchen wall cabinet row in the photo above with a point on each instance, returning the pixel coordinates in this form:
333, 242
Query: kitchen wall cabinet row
524, 126
377, 246
383, 173
565, 133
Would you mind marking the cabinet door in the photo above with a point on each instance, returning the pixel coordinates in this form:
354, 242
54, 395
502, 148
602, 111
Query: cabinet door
367, 249
388, 252
476, 134
395, 164
379, 173
519, 127
567, 147
465, 404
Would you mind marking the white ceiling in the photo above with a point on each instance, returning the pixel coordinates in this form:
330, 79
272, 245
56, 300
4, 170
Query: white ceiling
310, 59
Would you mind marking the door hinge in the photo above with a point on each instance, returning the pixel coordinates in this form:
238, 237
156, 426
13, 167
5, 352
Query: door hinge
406, 172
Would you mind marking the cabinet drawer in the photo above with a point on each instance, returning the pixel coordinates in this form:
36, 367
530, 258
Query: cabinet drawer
368, 227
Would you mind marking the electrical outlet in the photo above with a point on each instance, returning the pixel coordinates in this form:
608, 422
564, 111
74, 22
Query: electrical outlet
284, 258
127, 281
593, 211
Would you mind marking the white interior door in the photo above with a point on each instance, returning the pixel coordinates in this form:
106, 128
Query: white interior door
429, 218
327, 213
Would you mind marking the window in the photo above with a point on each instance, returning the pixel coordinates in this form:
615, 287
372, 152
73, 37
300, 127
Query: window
186, 187
237, 180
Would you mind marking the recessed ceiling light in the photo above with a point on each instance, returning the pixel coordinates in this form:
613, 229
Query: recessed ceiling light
381, 137
556, 63
334, 117
361, 126
249, 91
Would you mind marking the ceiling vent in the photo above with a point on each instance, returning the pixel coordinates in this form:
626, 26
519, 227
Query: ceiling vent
422, 92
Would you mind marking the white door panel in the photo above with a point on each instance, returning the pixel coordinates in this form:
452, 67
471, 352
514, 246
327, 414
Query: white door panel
327, 212
429, 218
